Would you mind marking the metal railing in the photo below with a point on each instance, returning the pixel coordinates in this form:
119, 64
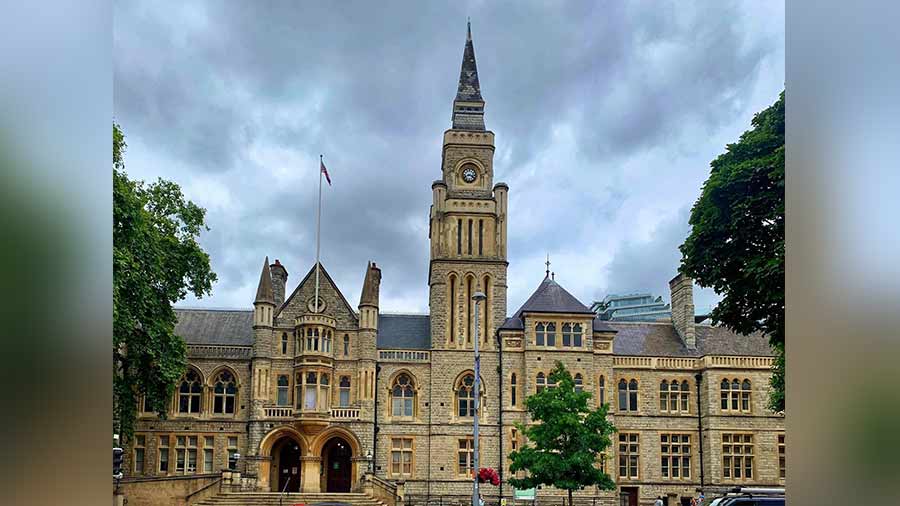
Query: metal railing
466, 500
284, 491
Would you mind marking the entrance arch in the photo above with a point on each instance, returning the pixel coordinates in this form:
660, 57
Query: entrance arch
336, 460
286, 466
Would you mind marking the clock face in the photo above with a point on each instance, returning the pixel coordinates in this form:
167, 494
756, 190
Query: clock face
469, 174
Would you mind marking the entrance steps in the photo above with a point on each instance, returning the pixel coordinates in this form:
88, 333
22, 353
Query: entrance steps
290, 499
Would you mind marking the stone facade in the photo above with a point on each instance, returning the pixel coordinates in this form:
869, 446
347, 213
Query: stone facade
322, 391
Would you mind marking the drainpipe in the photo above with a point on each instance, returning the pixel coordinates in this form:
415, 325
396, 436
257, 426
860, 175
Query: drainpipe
375, 426
500, 398
699, 377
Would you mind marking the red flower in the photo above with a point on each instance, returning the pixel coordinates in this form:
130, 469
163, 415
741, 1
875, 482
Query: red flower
488, 475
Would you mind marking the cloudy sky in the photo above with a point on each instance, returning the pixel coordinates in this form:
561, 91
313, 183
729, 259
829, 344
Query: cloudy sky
606, 117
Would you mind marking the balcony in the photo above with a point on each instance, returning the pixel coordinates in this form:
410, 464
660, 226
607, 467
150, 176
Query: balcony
345, 414
278, 412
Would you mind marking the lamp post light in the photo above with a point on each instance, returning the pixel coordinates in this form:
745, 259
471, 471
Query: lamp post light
370, 461
478, 297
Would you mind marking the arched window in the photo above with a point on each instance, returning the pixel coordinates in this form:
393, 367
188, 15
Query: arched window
602, 390
402, 396
685, 397
567, 334
735, 395
189, 392
283, 388
539, 333
745, 396
541, 382
628, 395
346, 345
298, 390
452, 298
469, 292
579, 383
326, 341
465, 396
576, 335
344, 396
551, 334
284, 343
664, 396
224, 393
486, 310
512, 389
673, 398
325, 397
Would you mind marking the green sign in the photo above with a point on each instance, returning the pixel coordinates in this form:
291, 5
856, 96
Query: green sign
524, 495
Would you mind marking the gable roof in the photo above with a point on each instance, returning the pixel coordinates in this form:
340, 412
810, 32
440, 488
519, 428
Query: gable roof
215, 326
311, 272
404, 331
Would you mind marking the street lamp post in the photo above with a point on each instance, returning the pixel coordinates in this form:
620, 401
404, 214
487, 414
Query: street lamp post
478, 297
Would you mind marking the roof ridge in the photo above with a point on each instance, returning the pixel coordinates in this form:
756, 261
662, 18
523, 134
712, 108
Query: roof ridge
220, 309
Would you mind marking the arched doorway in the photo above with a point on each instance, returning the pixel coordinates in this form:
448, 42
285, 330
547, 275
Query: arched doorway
336, 455
286, 465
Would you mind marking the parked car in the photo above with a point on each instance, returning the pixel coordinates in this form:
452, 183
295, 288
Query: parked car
750, 496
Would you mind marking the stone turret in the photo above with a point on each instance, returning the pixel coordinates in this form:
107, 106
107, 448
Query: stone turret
368, 300
263, 318
682, 288
468, 106
264, 305
279, 280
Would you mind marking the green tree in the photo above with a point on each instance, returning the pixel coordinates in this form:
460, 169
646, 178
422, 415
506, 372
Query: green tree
565, 441
156, 261
736, 244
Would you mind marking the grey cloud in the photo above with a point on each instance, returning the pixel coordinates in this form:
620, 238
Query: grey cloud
370, 86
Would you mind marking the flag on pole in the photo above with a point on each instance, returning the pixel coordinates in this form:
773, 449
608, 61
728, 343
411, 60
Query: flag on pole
324, 171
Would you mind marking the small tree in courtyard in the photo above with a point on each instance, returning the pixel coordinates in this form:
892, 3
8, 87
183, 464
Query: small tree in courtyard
565, 440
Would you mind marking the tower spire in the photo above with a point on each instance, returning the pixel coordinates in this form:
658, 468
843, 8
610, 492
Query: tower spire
468, 107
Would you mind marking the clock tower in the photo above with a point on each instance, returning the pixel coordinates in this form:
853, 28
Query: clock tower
467, 224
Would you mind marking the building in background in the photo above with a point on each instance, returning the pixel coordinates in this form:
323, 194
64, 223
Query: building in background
638, 307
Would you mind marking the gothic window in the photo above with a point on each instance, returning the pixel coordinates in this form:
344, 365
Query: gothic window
539, 333
685, 397
283, 387
485, 310
628, 395
309, 340
512, 389
465, 396
470, 237
189, 392
469, 315
551, 334
284, 343
224, 393
323, 384
459, 237
402, 397
735, 395
346, 345
326, 341
576, 335
452, 298
344, 395
579, 383
540, 382
567, 334
298, 390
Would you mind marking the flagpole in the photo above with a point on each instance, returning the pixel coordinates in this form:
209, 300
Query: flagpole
318, 236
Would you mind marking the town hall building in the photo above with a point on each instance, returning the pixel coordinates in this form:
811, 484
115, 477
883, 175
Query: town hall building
306, 394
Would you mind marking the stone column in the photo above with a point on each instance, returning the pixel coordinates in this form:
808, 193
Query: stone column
311, 467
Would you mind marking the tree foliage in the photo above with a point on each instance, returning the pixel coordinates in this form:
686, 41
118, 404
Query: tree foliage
156, 261
565, 441
736, 244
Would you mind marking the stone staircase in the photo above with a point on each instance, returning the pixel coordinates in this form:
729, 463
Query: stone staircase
290, 499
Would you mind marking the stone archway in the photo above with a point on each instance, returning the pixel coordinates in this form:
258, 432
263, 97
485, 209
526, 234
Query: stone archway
283, 450
339, 455
337, 463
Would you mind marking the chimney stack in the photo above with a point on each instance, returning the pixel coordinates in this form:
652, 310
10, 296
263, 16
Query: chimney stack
279, 280
682, 289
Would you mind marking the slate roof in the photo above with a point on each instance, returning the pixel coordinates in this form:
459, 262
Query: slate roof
215, 326
661, 340
264, 292
469, 89
404, 332
550, 297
